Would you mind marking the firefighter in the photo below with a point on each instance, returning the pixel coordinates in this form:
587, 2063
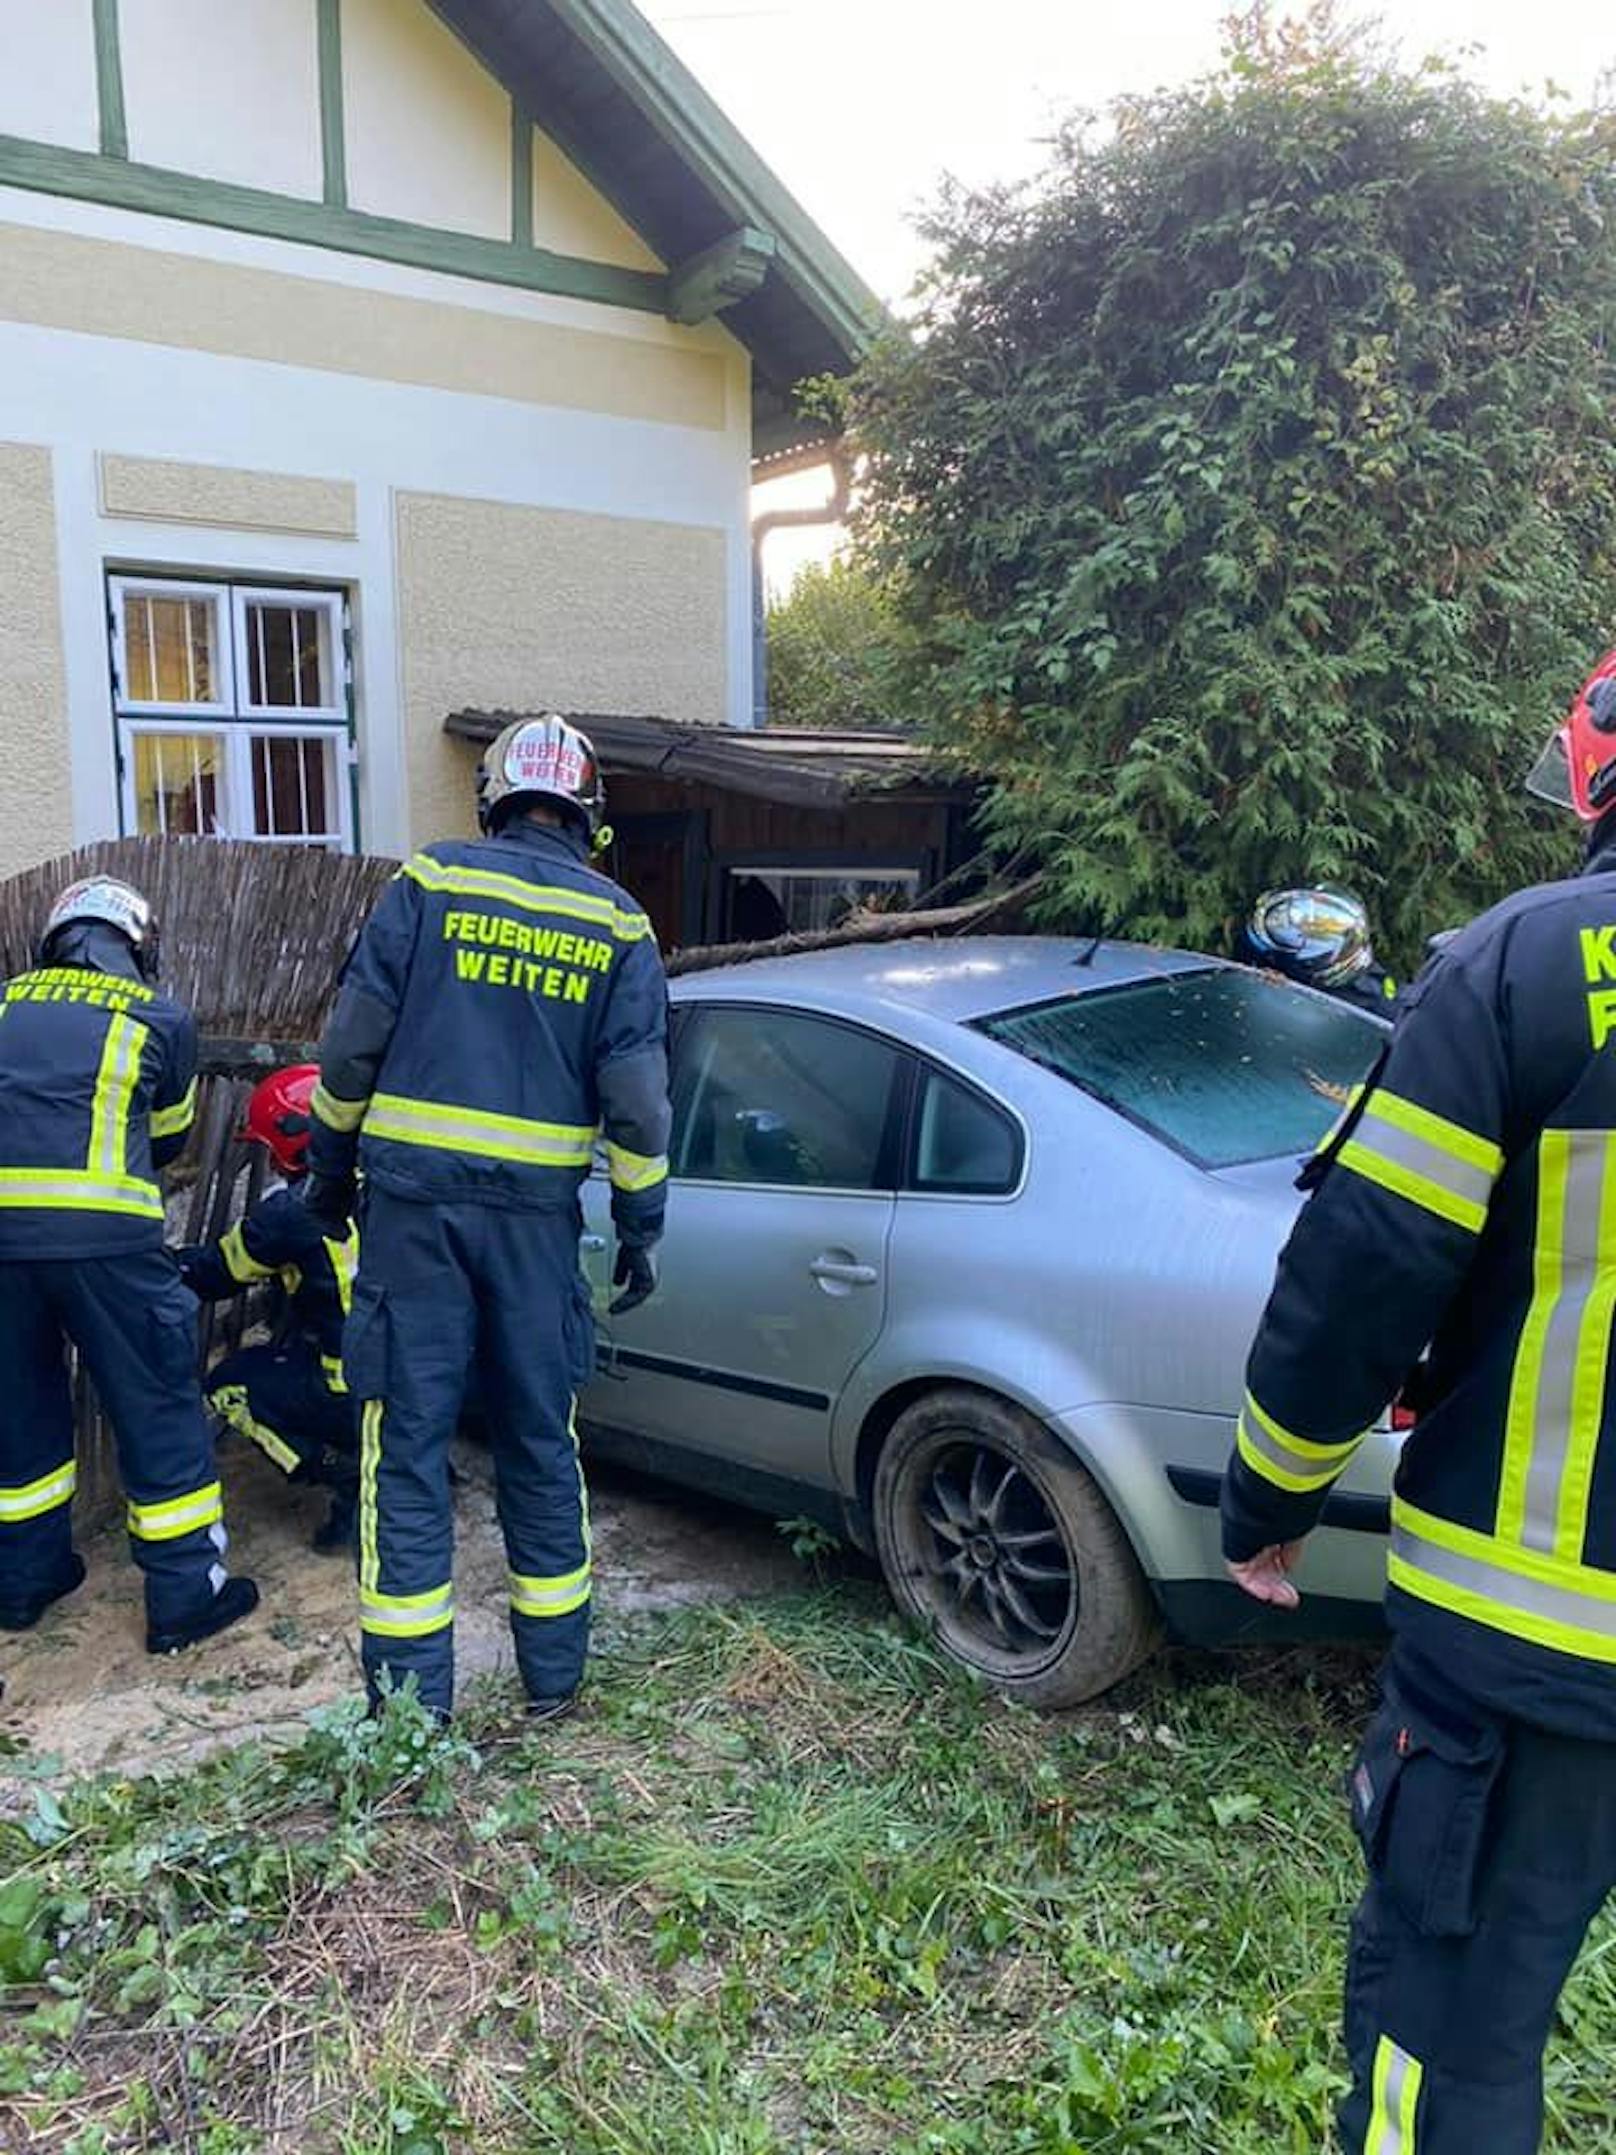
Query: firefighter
1320, 938
503, 1007
97, 1092
1469, 1200
289, 1396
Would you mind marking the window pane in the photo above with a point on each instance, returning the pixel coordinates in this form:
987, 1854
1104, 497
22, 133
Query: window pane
766, 1096
168, 649
765, 902
1225, 1065
291, 795
286, 667
177, 781
962, 1143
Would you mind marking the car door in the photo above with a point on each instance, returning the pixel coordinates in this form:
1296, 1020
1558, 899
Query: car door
774, 1265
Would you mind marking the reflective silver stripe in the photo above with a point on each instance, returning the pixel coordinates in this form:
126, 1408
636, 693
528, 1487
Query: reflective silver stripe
1396, 2095
460, 1129
1420, 1156
1504, 1589
1567, 1411
72, 1189
334, 1113
43, 1495
1296, 1463
405, 1616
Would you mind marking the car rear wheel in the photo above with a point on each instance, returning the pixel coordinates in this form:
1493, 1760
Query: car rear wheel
995, 1538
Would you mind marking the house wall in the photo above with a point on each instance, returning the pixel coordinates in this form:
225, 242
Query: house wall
529, 494
34, 816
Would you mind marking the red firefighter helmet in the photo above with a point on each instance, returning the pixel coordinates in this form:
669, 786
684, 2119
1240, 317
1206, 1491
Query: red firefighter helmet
1578, 768
278, 1116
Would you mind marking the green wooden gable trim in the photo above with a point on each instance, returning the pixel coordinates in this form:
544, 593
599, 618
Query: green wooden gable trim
521, 175
333, 121
86, 177
720, 275
109, 80
642, 65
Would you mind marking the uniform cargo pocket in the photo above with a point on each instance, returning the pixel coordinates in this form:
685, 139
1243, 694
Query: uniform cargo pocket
1420, 1791
580, 1335
364, 1343
174, 1349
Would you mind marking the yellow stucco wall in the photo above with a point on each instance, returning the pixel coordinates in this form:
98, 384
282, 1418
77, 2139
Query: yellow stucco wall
68, 281
572, 217
36, 808
226, 88
47, 73
428, 129
529, 609
156, 491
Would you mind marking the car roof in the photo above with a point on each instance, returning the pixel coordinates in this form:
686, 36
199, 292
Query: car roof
960, 979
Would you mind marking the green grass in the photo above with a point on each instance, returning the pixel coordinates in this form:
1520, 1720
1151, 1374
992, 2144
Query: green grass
791, 1883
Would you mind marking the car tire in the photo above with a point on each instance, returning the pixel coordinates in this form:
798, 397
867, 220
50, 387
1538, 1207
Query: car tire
993, 1536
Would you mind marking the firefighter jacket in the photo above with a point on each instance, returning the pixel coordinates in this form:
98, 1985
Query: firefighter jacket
280, 1239
504, 1008
97, 1092
1469, 1199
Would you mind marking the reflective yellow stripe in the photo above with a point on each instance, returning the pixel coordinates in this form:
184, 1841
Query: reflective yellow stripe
239, 1261
170, 1121
1557, 1388
114, 1090
556, 1596
28, 1500
344, 1256
1460, 1144
230, 1403
1286, 1460
177, 1515
334, 1113
75, 1189
370, 1452
635, 1170
1526, 1593
405, 1616
1395, 2099
475, 1130
599, 910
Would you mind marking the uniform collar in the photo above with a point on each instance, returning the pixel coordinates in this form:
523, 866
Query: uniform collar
547, 840
1601, 856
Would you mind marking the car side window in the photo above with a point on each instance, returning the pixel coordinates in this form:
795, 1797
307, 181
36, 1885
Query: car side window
963, 1144
778, 1097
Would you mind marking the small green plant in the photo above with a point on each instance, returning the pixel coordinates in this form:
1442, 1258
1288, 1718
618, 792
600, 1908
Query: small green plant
810, 1541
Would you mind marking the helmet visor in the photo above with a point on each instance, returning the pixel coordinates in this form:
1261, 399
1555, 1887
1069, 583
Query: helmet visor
1550, 777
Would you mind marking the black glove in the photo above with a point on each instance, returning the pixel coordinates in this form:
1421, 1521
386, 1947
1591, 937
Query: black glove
331, 1198
636, 1273
188, 1256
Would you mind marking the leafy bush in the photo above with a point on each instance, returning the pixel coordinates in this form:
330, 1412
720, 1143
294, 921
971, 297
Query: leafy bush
1250, 483
839, 652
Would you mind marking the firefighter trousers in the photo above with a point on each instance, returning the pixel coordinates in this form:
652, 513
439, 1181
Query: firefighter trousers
441, 1288
279, 1397
1491, 1846
133, 1321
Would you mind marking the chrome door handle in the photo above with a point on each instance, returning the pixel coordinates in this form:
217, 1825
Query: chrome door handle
592, 1243
844, 1274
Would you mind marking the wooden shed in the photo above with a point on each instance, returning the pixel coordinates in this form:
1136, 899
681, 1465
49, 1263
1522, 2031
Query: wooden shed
728, 835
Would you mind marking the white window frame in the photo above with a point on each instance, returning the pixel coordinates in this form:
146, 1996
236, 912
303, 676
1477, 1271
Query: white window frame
329, 605
216, 596
236, 723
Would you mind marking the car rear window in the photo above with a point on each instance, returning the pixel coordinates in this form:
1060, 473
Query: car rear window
1226, 1066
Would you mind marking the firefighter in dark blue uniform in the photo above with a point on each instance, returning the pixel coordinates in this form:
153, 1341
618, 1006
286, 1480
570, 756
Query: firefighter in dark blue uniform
97, 1092
1469, 1200
288, 1394
504, 1007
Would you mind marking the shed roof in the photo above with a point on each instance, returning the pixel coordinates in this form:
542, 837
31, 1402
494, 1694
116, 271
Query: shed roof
792, 765
598, 79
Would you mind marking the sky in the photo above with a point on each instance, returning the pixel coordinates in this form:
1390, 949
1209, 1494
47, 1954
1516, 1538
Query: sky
861, 106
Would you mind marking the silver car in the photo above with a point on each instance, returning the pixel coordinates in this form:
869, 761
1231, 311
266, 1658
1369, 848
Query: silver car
966, 1246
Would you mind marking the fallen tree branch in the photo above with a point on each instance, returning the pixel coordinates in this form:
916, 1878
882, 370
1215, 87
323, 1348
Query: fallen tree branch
972, 918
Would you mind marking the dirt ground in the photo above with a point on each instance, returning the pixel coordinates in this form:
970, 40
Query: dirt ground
84, 1696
